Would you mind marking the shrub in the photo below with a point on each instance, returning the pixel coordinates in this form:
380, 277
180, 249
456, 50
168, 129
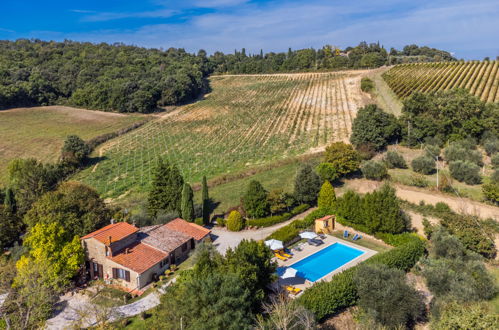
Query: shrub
366, 151
424, 165
327, 196
374, 170
285, 234
491, 145
458, 151
235, 221
394, 160
419, 180
385, 295
458, 316
494, 178
432, 151
465, 172
491, 192
327, 298
495, 161
366, 84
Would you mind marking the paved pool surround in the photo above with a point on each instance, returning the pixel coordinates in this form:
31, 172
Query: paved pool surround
308, 250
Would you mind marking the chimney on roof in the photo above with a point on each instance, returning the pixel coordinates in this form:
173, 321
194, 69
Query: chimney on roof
127, 250
110, 240
112, 221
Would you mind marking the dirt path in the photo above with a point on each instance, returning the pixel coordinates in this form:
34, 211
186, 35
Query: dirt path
415, 195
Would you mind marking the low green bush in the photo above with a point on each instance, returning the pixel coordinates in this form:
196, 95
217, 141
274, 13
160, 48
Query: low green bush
495, 160
366, 84
327, 298
285, 234
465, 171
273, 220
394, 160
424, 165
374, 170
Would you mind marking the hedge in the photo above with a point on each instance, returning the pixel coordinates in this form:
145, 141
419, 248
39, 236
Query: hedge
327, 298
270, 221
397, 239
289, 232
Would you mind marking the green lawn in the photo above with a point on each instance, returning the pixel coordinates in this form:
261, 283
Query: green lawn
39, 132
229, 194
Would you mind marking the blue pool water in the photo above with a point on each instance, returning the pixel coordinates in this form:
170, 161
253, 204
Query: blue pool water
325, 261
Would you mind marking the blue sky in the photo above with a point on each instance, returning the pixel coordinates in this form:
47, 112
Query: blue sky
468, 29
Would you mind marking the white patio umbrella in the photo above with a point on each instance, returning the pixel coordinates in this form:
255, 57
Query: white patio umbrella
308, 235
289, 272
274, 244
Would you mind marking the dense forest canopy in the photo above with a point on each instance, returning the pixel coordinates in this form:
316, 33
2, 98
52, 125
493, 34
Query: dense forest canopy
97, 76
133, 79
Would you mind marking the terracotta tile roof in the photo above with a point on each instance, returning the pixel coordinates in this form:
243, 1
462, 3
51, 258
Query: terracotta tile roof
196, 231
163, 238
327, 217
117, 231
140, 257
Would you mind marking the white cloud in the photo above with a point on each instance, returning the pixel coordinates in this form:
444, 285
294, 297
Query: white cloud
467, 28
109, 16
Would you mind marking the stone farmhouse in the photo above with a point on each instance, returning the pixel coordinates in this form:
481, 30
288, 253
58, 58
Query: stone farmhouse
132, 257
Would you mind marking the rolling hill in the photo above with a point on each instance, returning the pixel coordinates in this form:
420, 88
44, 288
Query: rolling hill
40, 132
246, 120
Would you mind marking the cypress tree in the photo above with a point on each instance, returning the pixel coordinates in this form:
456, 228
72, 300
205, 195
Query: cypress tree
166, 192
327, 196
10, 201
307, 185
206, 202
187, 203
255, 201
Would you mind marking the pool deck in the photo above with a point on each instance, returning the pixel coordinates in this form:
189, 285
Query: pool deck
309, 250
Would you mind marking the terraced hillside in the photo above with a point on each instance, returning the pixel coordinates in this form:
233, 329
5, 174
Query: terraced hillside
244, 121
480, 78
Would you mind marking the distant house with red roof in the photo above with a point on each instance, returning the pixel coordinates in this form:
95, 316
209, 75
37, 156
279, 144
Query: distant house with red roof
134, 257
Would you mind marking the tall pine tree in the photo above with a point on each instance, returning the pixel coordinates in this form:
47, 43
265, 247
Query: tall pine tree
166, 192
307, 185
206, 202
10, 201
187, 203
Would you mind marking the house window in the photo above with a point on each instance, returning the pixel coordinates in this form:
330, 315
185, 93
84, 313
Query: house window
96, 267
121, 274
163, 263
184, 247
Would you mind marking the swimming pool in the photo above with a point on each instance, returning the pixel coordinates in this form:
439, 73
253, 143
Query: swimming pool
323, 262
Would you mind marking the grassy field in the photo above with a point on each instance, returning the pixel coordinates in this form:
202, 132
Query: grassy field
40, 132
245, 121
480, 78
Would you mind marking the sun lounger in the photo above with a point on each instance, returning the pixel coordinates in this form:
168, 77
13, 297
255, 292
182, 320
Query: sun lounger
357, 237
345, 233
315, 242
298, 248
293, 290
322, 236
284, 254
278, 256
